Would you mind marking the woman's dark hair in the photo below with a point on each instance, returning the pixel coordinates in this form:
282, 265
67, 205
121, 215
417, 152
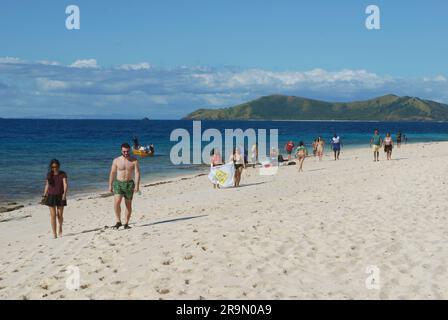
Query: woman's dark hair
301, 143
50, 171
212, 153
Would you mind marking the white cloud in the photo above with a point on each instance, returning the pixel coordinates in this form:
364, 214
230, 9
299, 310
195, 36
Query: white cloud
287, 79
11, 60
50, 85
49, 63
87, 63
438, 78
134, 67
85, 86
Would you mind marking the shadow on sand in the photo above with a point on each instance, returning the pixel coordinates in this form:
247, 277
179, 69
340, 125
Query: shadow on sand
135, 226
171, 220
250, 184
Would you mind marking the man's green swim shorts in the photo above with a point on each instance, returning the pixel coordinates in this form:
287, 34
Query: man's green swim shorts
124, 188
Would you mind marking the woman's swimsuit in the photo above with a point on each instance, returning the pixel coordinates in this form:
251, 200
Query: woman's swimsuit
238, 162
301, 151
387, 144
320, 147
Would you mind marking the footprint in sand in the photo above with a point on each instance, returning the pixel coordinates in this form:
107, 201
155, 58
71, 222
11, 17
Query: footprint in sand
167, 262
163, 291
44, 286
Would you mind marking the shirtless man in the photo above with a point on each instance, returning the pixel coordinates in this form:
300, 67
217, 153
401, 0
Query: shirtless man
121, 183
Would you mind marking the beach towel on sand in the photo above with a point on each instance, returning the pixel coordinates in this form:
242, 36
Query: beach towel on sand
222, 175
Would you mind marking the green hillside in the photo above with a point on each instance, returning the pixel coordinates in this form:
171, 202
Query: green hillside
279, 107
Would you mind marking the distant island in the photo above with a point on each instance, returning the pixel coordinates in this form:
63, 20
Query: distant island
279, 107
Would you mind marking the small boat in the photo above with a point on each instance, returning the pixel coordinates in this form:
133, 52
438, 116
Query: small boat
142, 153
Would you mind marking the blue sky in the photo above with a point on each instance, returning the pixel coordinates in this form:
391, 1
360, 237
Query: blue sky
166, 58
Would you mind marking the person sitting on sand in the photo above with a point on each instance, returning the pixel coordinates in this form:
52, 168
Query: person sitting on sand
215, 160
238, 161
336, 144
281, 160
301, 153
375, 143
55, 195
320, 148
121, 183
388, 146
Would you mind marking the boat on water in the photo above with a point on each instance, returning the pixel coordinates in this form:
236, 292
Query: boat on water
142, 153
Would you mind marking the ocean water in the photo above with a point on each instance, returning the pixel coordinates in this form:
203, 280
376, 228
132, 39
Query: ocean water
86, 148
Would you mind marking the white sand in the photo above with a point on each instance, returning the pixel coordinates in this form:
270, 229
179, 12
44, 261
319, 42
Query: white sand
288, 236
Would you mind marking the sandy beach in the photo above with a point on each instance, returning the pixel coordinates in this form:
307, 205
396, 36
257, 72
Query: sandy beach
310, 235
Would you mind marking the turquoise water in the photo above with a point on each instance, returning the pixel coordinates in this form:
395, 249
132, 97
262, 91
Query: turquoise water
87, 147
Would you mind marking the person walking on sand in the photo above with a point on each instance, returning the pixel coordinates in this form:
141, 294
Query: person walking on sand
320, 148
388, 146
314, 145
121, 183
301, 153
215, 160
289, 147
238, 161
337, 145
398, 138
254, 154
55, 195
375, 143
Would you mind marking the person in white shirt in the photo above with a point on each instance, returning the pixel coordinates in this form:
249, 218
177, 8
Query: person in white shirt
336, 144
